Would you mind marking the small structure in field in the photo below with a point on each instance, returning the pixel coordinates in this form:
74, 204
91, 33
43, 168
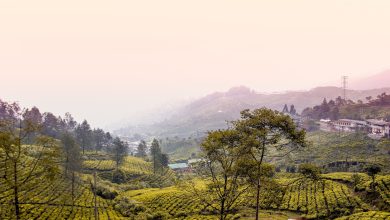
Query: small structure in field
180, 167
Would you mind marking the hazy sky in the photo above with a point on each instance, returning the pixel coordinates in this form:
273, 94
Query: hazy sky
109, 60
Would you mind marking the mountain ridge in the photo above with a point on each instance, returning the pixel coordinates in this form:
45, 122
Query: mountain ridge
212, 111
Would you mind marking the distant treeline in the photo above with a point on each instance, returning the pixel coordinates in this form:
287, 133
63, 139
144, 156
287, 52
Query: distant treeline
55, 126
359, 110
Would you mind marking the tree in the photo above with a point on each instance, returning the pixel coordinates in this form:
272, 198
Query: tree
98, 137
224, 161
164, 160
120, 151
8, 111
372, 171
70, 122
72, 160
107, 141
50, 125
84, 135
285, 109
141, 149
23, 164
264, 130
33, 116
310, 171
155, 152
292, 110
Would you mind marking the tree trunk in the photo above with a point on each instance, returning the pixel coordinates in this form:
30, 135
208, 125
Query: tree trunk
222, 211
73, 179
16, 191
258, 181
154, 163
223, 199
94, 196
258, 197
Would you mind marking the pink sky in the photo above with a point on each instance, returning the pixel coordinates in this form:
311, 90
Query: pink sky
109, 60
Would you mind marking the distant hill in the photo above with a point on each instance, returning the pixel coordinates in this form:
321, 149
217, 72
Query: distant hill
212, 111
380, 80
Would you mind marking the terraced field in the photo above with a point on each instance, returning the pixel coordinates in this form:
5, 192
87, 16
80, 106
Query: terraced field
371, 215
170, 200
345, 176
45, 197
320, 199
52, 200
136, 166
100, 165
131, 165
384, 188
383, 183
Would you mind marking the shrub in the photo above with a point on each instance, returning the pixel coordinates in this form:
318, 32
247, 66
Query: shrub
158, 216
310, 171
118, 176
106, 192
128, 207
181, 214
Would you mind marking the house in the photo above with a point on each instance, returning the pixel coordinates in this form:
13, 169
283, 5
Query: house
349, 125
325, 125
180, 167
378, 128
373, 127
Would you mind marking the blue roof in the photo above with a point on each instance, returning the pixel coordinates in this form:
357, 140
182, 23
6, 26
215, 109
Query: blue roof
177, 165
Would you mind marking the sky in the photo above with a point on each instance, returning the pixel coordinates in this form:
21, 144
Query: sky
112, 61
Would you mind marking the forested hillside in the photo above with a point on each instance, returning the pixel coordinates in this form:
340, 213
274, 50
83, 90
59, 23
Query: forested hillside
377, 107
212, 111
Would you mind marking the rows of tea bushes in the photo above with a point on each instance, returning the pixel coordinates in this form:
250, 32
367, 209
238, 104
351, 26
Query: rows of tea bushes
317, 199
371, 215
53, 201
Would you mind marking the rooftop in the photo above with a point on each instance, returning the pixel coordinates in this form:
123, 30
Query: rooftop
377, 122
177, 165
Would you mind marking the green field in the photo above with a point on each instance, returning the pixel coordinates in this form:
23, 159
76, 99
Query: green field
326, 199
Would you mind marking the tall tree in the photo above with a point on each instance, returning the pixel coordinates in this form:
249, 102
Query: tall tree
224, 157
72, 160
141, 149
285, 109
155, 152
50, 126
70, 122
24, 164
107, 141
98, 137
84, 135
119, 150
293, 111
265, 131
164, 160
8, 111
33, 116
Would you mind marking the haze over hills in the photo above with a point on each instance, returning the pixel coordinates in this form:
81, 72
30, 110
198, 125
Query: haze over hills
380, 80
212, 111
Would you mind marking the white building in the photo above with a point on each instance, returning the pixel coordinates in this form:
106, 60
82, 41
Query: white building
379, 128
375, 128
349, 125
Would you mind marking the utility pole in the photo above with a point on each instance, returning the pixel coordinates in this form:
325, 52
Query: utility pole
345, 78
